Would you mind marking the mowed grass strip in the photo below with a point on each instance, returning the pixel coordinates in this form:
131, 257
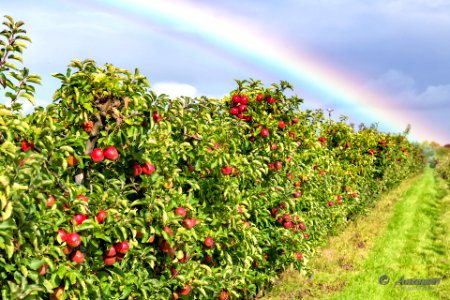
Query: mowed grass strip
406, 234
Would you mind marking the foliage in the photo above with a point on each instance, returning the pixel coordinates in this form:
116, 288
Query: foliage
259, 194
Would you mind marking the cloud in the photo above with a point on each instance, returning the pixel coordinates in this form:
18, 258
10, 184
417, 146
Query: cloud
405, 89
175, 89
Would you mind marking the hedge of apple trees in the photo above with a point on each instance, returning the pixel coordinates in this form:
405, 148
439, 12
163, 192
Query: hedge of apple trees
115, 192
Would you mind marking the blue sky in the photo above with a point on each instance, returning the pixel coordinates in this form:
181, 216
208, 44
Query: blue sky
398, 47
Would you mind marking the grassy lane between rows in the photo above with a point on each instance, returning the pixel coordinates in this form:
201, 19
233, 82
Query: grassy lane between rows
406, 235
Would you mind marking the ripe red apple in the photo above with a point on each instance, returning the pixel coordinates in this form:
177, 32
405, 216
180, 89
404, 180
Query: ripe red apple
330, 203
306, 235
189, 223
209, 242
223, 295
122, 247
278, 165
240, 116
292, 135
259, 97
236, 98
234, 111
97, 155
295, 120
62, 234
299, 255
83, 197
137, 169
185, 291
244, 100
79, 219
111, 153
297, 194
289, 176
287, 224
181, 211
50, 201
111, 251
148, 168
227, 170
27, 146
264, 132
322, 139
302, 226
101, 216
109, 260
78, 257
271, 166
274, 212
88, 125
297, 184
242, 108
73, 239
281, 124
156, 117
43, 269
168, 230
270, 99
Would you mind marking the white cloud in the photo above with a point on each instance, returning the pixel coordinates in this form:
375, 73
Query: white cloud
404, 88
175, 89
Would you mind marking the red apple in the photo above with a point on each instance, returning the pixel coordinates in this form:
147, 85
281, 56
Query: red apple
295, 120
209, 242
181, 211
185, 291
234, 111
264, 132
137, 169
297, 194
148, 168
278, 165
270, 99
122, 247
306, 235
88, 125
189, 223
242, 108
111, 153
79, 219
227, 170
281, 124
62, 234
101, 216
244, 99
287, 224
43, 270
302, 226
273, 147
236, 98
73, 239
111, 251
299, 255
78, 257
168, 230
156, 117
223, 295
50, 201
259, 97
97, 155
83, 197
109, 260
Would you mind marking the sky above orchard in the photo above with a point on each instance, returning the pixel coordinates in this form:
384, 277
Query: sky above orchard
394, 52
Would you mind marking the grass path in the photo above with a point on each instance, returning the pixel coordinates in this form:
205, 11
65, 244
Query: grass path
407, 234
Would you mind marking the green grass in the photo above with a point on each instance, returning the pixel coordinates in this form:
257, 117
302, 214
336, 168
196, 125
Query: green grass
406, 234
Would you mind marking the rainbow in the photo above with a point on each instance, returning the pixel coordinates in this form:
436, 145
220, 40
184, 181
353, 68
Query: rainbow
313, 74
